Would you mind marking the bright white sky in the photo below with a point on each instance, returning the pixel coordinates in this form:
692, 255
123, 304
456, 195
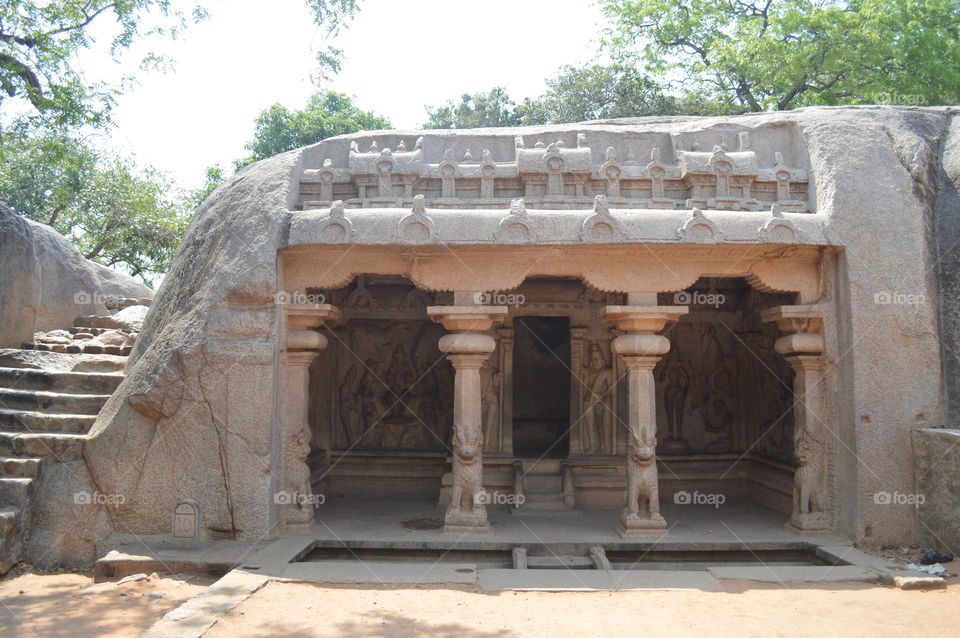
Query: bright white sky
400, 56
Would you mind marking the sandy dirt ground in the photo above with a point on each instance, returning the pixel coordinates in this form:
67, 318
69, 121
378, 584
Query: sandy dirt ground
299, 610
73, 606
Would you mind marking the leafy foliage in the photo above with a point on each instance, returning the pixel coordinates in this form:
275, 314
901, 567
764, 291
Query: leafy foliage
597, 92
116, 213
40, 41
781, 54
576, 94
493, 108
278, 129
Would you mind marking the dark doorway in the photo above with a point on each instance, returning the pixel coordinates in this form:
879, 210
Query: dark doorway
541, 386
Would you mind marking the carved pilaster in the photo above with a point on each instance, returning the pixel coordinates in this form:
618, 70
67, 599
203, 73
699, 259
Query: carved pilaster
803, 349
467, 348
302, 344
576, 388
641, 349
506, 390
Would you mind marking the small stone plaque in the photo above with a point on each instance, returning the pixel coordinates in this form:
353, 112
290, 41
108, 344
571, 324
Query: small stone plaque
186, 520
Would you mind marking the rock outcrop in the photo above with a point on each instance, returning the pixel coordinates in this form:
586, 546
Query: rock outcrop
46, 282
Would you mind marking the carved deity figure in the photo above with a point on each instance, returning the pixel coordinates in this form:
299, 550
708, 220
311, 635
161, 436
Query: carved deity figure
643, 496
384, 179
677, 383
597, 402
350, 408
490, 379
397, 397
467, 477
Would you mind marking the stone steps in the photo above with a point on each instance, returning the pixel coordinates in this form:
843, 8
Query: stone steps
542, 485
77, 382
26, 467
81, 347
46, 410
14, 491
59, 446
51, 402
10, 536
30, 421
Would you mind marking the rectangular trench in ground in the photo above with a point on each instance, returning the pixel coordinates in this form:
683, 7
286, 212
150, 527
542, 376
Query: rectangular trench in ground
565, 557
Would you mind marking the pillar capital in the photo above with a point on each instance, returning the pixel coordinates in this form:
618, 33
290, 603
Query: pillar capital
650, 319
803, 325
467, 318
301, 323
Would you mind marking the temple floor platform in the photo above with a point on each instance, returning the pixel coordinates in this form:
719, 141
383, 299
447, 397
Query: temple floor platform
413, 522
398, 541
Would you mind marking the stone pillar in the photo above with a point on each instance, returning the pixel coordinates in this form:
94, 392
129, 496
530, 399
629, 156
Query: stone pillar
802, 346
641, 349
467, 348
294, 495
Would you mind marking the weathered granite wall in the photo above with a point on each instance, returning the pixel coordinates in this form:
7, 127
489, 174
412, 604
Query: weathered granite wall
948, 269
937, 468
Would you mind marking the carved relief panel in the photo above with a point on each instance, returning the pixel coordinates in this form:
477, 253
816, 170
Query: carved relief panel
383, 384
722, 388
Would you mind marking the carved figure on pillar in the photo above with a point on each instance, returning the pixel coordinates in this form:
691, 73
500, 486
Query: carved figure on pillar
643, 500
297, 479
467, 478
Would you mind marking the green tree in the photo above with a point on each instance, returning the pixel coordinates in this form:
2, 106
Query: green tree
115, 212
491, 108
596, 92
41, 43
781, 54
278, 129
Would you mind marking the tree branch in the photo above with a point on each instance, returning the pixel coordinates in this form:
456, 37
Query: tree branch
34, 88
88, 19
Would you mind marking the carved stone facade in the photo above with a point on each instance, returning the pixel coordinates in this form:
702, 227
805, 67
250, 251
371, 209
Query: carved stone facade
798, 392
566, 171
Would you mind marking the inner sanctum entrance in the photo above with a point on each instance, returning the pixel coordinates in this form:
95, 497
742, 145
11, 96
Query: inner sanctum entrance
541, 387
